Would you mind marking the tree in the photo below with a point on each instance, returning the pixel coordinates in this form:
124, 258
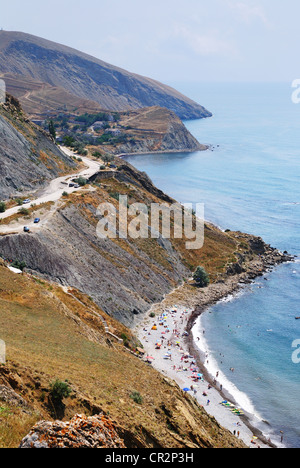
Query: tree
59, 390
107, 158
19, 265
52, 130
201, 278
81, 181
2, 207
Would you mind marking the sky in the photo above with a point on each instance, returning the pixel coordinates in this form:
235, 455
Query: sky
172, 40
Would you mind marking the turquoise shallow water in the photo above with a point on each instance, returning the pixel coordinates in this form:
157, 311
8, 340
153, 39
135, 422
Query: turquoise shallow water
249, 182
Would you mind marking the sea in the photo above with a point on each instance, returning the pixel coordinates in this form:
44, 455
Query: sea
249, 180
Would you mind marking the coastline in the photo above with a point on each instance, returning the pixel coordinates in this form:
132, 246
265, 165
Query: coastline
190, 304
170, 151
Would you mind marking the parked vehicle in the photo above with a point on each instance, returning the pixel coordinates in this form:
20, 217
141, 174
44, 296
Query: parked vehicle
71, 185
25, 202
26, 229
37, 220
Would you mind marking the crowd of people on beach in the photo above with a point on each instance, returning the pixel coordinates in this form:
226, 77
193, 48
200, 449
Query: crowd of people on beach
167, 333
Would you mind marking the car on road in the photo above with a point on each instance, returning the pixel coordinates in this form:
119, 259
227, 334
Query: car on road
25, 202
71, 185
26, 229
37, 220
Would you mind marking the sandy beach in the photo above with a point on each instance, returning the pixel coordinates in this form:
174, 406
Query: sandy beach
166, 342
166, 332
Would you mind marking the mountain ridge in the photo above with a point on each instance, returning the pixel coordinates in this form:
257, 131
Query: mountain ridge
87, 77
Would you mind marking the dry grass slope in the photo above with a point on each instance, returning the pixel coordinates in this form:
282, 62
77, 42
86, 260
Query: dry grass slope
53, 334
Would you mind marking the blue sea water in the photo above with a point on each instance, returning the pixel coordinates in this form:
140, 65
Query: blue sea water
249, 181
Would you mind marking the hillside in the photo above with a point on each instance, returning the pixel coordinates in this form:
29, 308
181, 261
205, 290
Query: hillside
29, 158
33, 59
123, 276
66, 318
151, 129
41, 99
51, 334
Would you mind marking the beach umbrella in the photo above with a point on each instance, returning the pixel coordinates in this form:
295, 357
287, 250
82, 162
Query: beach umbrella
149, 357
186, 389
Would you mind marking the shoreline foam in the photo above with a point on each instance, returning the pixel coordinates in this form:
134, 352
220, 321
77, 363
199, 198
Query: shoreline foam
206, 390
190, 309
232, 393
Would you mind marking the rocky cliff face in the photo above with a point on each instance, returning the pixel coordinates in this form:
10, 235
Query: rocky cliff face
81, 432
28, 157
156, 129
86, 77
124, 277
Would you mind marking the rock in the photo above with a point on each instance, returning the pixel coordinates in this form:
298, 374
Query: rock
81, 432
9, 396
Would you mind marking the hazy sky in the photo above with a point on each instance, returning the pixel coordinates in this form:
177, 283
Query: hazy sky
172, 40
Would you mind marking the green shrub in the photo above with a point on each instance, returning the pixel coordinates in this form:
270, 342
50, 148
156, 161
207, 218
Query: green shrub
19, 265
23, 211
81, 181
59, 390
97, 154
137, 397
201, 278
2, 207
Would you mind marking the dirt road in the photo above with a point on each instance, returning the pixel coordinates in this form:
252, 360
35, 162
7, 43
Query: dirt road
52, 193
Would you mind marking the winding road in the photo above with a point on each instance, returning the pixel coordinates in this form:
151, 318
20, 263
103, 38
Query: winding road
52, 193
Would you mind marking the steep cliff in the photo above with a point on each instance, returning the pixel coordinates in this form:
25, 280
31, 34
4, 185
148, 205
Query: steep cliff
123, 276
155, 129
